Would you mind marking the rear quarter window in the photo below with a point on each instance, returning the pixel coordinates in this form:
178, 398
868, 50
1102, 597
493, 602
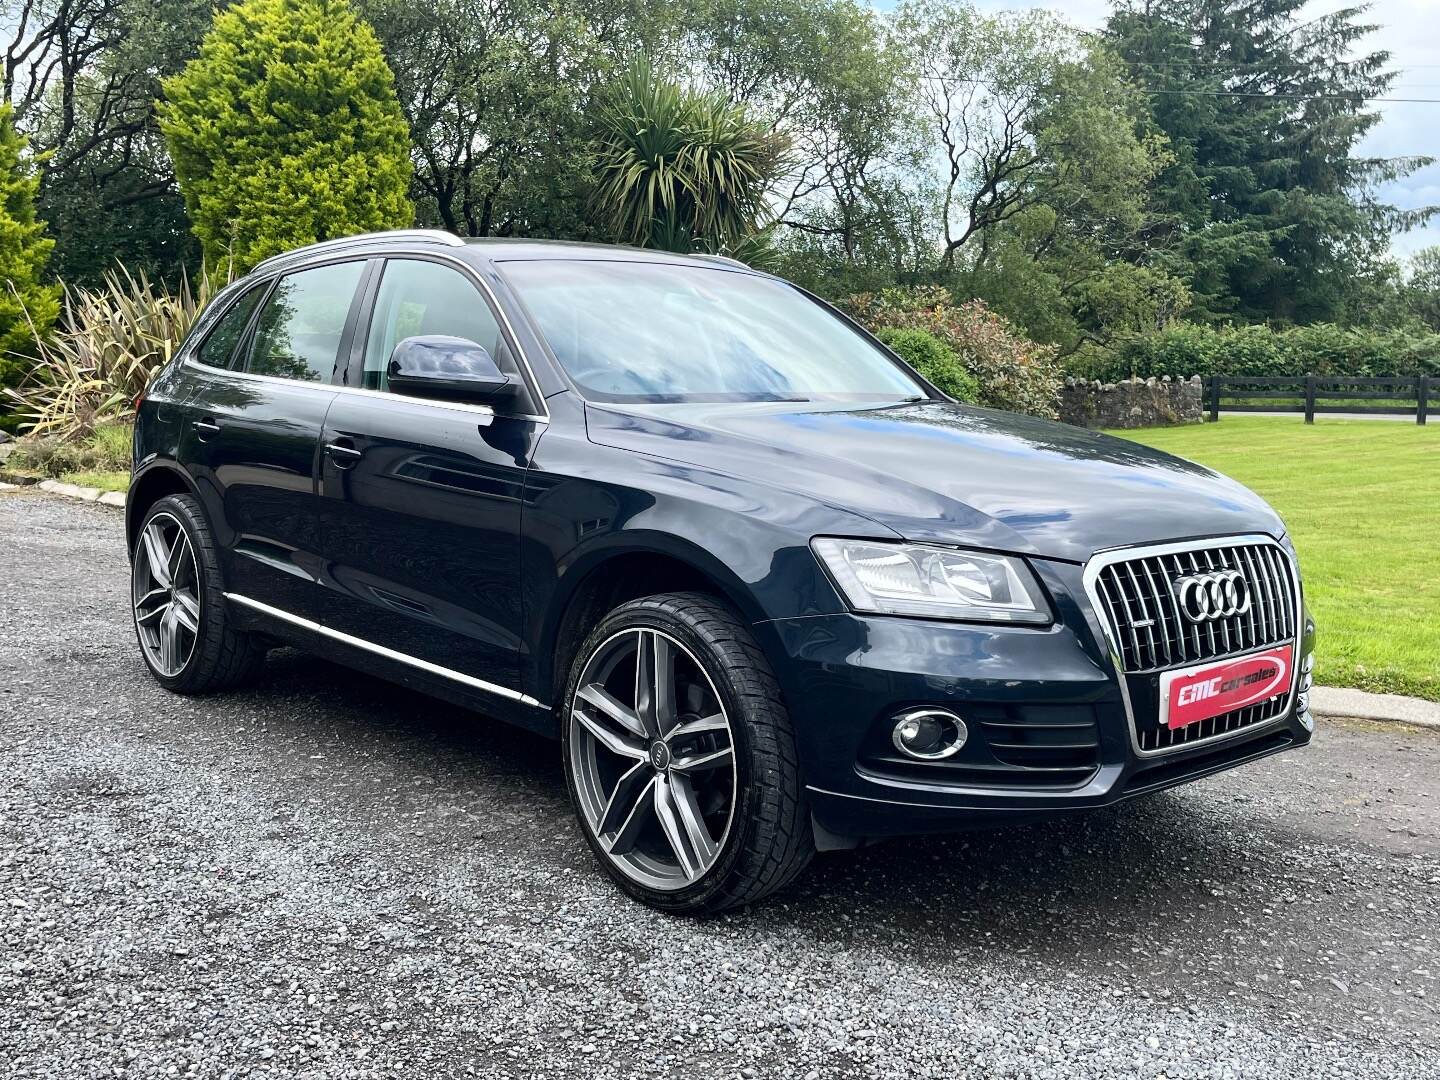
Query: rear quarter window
218, 348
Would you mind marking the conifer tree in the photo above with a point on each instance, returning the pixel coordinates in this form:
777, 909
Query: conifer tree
286, 130
26, 301
1264, 106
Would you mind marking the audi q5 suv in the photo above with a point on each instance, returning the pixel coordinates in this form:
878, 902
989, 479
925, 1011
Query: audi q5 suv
772, 592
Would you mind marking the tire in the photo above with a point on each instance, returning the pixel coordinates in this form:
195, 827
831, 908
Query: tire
717, 672
206, 652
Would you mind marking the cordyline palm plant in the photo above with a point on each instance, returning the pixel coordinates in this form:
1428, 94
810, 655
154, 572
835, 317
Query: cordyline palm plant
107, 345
680, 169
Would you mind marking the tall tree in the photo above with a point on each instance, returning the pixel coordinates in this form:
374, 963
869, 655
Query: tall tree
285, 130
828, 78
83, 76
28, 305
497, 94
1421, 291
1042, 158
1274, 210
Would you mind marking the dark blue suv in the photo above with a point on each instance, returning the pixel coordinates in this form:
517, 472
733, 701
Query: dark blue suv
772, 591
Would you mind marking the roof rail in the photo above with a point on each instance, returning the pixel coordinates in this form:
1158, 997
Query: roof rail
720, 258
432, 236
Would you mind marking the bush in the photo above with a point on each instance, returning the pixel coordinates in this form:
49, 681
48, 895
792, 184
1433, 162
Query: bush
1010, 371
1318, 349
933, 359
109, 344
286, 130
107, 449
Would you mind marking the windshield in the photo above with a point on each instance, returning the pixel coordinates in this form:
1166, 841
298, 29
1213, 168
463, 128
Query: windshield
652, 332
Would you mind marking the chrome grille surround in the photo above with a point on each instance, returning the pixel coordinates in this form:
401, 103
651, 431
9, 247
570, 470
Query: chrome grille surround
1130, 592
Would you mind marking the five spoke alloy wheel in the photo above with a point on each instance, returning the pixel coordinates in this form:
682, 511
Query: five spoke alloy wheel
652, 755
165, 591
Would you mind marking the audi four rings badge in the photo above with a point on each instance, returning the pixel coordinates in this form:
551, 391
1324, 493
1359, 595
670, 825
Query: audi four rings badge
1216, 595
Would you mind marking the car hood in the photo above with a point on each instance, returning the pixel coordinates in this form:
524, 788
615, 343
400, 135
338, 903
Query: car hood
934, 471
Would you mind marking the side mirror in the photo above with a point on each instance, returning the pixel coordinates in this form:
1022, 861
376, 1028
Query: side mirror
440, 366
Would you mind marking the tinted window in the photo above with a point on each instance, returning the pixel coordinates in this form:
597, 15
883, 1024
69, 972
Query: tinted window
298, 335
218, 348
424, 298
629, 331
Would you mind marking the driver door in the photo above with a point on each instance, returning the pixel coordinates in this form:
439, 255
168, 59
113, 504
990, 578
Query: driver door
420, 500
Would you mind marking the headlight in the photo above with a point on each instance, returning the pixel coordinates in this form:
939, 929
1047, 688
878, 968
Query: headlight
939, 582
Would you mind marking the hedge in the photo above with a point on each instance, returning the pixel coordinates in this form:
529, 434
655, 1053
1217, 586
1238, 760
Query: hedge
1319, 349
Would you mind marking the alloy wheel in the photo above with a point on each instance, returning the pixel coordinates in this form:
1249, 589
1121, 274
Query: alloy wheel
165, 592
653, 758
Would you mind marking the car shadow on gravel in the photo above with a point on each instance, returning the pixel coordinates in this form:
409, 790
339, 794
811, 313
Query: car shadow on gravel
1160, 868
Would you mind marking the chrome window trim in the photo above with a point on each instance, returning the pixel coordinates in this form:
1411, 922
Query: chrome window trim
1101, 560
389, 395
189, 357
381, 650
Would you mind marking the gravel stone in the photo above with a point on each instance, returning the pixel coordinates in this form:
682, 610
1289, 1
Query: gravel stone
329, 876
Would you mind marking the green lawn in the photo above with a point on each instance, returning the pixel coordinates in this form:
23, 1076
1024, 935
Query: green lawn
1362, 502
105, 481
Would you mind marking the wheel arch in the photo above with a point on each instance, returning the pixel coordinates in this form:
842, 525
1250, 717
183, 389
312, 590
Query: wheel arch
151, 484
606, 577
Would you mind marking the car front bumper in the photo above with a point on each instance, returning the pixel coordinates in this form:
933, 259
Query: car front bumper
846, 676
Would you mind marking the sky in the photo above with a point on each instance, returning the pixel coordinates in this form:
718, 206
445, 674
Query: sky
1410, 31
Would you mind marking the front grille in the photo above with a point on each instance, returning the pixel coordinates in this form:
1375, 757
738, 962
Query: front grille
1151, 633
1136, 598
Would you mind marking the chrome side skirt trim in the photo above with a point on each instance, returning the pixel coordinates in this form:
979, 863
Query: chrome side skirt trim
381, 650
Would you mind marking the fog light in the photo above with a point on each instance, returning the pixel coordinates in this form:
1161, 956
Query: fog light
928, 734
1307, 720
1302, 701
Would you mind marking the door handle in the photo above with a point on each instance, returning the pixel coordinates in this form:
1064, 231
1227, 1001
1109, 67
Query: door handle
204, 429
342, 454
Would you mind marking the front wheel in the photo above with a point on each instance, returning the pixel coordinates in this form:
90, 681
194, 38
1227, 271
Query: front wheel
680, 757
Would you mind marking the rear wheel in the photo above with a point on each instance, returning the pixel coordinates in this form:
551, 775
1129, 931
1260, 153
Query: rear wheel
178, 603
680, 757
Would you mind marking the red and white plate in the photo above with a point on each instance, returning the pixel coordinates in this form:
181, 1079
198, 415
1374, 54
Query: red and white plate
1197, 693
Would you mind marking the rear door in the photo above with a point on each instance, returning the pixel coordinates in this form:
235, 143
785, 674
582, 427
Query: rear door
252, 432
421, 499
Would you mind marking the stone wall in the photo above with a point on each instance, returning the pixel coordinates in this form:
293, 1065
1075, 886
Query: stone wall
1133, 403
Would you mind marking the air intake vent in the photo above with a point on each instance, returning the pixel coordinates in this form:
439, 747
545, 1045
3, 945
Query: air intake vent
1156, 739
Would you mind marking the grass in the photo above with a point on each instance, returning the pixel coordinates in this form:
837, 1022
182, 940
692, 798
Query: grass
104, 451
1361, 499
105, 481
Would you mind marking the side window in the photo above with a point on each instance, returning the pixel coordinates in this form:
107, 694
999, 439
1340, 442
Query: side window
218, 348
416, 298
298, 334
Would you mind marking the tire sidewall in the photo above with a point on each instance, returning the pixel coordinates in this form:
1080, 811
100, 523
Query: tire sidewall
207, 592
695, 895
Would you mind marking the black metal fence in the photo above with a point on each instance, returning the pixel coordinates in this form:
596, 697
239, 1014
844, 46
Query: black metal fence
1312, 394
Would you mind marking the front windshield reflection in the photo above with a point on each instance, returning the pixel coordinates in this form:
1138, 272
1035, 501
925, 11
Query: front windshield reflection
664, 332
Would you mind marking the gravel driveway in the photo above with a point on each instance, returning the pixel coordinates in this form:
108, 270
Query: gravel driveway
332, 877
